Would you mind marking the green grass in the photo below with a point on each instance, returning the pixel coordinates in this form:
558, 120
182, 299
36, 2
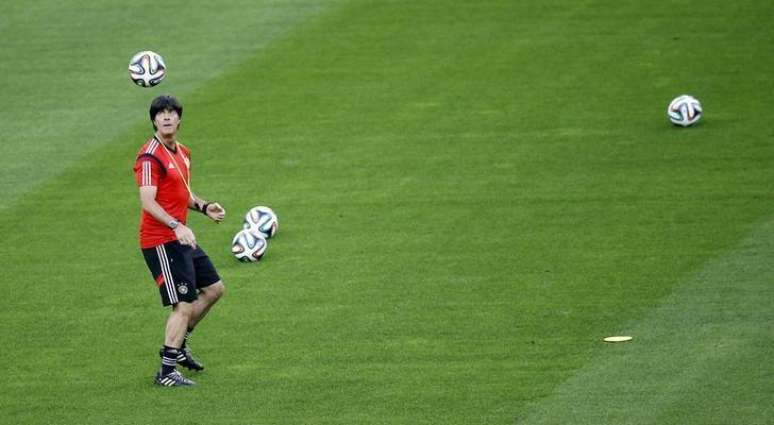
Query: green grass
471, 195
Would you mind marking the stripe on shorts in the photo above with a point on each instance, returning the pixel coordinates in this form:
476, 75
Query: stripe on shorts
169, 283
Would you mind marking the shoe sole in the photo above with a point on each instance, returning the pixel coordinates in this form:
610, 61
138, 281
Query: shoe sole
171, 383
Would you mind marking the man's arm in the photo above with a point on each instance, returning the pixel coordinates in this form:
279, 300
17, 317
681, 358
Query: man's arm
149, 204
213, 210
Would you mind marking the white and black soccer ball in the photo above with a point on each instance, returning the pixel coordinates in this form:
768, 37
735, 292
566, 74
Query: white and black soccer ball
263, 220
684, 111
248, 246
147, 69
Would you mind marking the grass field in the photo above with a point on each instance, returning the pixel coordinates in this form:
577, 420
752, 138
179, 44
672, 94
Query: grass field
471, 195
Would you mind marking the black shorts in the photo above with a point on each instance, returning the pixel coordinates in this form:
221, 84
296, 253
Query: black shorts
180, 271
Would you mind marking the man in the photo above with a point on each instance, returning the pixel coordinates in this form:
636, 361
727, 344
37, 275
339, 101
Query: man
186, 278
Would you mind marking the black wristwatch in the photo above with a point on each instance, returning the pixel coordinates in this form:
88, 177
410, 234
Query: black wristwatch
173, 224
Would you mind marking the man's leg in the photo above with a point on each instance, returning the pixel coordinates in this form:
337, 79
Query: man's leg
173, 270
177, 323
208, 296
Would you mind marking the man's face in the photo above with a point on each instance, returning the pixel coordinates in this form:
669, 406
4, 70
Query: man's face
167, 122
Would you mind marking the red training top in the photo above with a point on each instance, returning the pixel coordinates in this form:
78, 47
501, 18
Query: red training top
168, 170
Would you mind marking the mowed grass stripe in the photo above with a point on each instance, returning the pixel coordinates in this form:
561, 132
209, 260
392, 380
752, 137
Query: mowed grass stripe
67, 92
703, 356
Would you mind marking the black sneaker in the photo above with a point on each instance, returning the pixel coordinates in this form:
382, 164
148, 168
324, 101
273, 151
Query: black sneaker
187, 360
173, 379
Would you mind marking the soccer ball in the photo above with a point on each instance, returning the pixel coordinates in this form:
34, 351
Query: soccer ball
248, 246
262, 220
147, 69
684, 110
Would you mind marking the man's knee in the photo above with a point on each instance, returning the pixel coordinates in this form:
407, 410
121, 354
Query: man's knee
183, 309
215, 291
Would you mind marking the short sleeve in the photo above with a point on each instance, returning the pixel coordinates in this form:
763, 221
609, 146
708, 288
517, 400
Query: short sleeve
147, 172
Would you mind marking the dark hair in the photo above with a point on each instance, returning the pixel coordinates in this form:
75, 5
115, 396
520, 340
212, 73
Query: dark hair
163, 103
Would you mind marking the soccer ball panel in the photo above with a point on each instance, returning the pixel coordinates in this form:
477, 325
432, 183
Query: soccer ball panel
147, 68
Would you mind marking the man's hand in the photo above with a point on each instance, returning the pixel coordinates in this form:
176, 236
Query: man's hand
216, 212
184, 235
